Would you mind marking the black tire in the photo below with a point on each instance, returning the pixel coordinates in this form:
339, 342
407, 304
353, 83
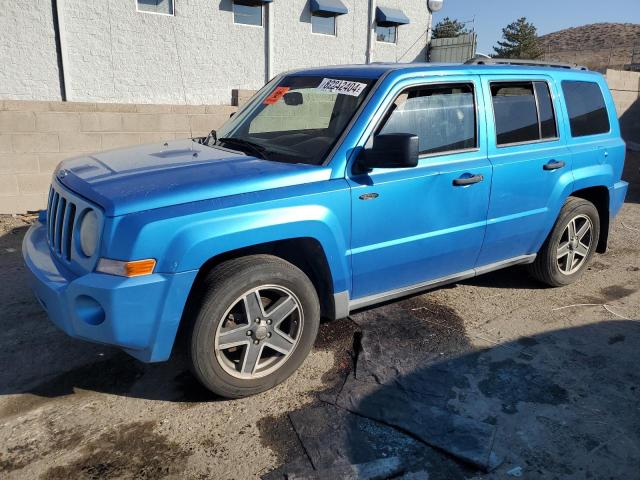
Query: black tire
545, 267
222, 287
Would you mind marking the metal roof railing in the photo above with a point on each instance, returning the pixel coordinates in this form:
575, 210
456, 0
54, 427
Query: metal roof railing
517, 61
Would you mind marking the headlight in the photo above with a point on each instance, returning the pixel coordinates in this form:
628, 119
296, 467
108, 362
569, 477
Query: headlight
89, 233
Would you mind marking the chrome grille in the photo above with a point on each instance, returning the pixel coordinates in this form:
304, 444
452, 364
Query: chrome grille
61, 217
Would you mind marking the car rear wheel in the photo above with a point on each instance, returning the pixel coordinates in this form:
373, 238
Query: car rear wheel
570, 246
256, 323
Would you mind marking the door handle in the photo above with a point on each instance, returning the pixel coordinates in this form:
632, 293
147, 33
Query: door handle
553, 165
462, 181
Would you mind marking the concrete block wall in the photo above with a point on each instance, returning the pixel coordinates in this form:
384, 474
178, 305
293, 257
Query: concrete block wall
36, 136
625, 88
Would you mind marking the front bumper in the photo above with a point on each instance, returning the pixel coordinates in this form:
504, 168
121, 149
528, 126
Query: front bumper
140, 315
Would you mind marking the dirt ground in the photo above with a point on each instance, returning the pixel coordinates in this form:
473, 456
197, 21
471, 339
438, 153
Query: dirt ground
554, 370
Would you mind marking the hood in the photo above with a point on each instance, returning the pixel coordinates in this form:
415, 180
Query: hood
158, 175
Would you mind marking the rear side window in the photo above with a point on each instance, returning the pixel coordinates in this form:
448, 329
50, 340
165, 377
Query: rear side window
545, 110
523, 112
442, 116
585, 105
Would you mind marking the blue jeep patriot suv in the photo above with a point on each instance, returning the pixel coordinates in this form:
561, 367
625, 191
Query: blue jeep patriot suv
333, 189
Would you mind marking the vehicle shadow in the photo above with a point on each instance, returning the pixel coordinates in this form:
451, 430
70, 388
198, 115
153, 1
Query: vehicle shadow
631, 172
560, 404
515, 277
630, 123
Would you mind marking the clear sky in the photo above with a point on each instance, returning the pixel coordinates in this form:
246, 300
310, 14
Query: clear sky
548, 15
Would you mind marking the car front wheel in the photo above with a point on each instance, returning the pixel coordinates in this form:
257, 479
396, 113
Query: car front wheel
570, 245
257, 322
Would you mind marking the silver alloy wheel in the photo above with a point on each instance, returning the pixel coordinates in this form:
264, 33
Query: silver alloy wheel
259, 331
575, 244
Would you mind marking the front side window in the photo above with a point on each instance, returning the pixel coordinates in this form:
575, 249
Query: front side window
247, 13
386, 34
324, 24
523, 112
442, 116
587, 111
164, 7
296, 119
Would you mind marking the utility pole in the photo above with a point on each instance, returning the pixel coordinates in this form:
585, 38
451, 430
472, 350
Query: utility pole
371, 39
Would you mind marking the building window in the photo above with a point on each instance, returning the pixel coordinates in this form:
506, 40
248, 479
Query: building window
161, 7
247, 12
387, 21
323, 15
587, 111
443, 117
325, 24
387, 34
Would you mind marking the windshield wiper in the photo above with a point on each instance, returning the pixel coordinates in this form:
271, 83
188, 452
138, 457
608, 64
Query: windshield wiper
212, 136
206, 140
258, 150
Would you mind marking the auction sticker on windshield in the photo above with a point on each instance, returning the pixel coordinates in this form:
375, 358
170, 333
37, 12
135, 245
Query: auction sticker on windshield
277, 94
344, 87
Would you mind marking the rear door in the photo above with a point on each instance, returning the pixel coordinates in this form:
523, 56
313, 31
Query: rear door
531, 164
414, 225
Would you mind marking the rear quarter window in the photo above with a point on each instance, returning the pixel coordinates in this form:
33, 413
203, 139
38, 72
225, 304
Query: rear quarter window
587, 111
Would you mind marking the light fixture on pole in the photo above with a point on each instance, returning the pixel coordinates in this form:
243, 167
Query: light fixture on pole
435, 5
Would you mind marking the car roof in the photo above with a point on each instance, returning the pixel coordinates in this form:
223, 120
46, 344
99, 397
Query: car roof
376, 70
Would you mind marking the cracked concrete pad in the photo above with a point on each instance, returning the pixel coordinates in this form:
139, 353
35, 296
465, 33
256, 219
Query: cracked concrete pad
464, 438
333, 437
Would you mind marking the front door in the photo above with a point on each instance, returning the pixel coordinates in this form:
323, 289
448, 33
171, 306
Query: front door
414, 225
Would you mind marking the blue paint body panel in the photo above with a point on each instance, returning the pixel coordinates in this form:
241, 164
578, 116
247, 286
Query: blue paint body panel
184, 203
140, 315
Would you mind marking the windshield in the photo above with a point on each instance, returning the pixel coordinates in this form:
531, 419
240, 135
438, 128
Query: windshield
296, 118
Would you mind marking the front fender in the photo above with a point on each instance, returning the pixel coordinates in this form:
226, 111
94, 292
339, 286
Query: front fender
184, 237
196, 243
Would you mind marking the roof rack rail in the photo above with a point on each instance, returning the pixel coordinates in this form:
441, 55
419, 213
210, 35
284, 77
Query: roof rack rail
517, 61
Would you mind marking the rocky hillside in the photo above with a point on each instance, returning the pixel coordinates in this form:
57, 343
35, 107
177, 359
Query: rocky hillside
593, 37
597, 46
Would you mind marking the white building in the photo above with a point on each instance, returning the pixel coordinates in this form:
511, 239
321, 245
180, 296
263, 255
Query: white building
191, 51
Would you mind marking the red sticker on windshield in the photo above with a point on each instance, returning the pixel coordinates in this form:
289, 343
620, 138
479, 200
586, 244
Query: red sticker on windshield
277, 94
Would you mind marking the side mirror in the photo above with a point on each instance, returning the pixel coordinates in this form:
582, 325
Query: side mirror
392, 150
293, 98
232, 114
